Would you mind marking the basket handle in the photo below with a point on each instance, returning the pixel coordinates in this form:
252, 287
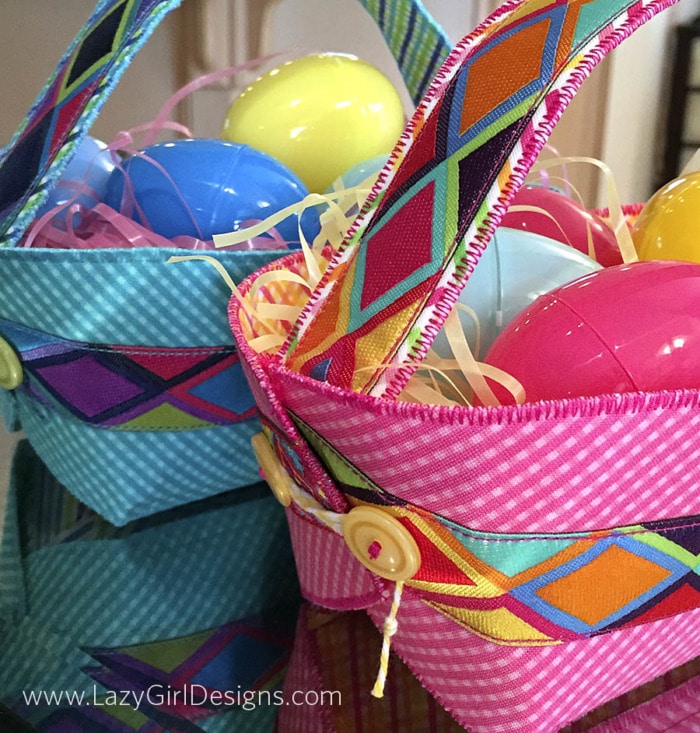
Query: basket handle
65, 109
417, 42
447, 185
62, 114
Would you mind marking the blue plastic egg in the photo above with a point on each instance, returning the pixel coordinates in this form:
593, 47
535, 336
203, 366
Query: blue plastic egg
90, 168
515, 269
202, 187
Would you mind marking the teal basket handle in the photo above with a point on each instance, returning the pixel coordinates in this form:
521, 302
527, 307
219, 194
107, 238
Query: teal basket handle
64, 111
68, 105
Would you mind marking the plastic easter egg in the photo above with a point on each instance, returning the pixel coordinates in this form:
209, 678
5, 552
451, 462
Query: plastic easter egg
363, 173
565, 220
514, 270
320, 115
668, 227
358, 181
624, 328
205, 187
84, 179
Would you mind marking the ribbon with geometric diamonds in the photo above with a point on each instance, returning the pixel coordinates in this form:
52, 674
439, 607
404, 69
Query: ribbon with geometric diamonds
132, 387
462, 157
233, 671
537, 589
201, 599
202, 675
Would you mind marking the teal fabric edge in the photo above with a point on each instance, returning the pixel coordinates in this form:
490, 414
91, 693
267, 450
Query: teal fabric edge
131, 297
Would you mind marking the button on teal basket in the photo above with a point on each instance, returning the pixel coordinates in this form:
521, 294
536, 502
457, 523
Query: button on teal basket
121, 370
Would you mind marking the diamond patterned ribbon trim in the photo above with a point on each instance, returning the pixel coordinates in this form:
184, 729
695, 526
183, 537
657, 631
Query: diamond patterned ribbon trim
537, 589
132, 387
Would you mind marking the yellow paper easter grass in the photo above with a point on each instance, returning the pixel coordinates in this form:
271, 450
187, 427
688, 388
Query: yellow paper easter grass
277, 297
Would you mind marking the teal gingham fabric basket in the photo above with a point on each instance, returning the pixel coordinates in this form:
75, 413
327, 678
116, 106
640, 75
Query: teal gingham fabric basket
130, 387
132, 391
198, 599
127, 562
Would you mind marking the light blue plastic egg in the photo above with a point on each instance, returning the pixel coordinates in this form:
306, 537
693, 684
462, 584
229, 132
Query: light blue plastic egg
202, 187
90, 168
361, 172
515, 269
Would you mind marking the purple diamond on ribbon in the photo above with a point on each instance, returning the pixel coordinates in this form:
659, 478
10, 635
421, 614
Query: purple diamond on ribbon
87, 385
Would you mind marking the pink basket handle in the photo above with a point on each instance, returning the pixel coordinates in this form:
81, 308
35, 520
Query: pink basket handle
450, 179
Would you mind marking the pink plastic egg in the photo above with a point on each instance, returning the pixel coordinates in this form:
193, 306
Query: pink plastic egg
565, 221
621, 329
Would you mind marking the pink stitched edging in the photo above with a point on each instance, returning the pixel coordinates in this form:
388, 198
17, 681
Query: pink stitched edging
527, 140
490, 688
406, 140
561, 466
675, 711
329, 575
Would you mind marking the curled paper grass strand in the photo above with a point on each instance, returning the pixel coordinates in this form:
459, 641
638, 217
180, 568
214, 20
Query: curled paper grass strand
271, 305
161, 120
270, 320
616, 216
266, 344
545, 177
464, 308
543, 212
464, 356
217, 266
572, 192
334, 224
428, 390
129, 201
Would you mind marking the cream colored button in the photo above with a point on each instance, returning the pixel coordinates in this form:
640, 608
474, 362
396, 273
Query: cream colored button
272, 469
381, 543
11, 375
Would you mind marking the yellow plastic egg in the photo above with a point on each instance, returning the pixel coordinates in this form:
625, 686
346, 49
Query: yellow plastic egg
319, 115
668, 227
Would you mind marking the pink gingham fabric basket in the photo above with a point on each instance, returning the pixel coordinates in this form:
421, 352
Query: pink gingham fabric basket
552, 547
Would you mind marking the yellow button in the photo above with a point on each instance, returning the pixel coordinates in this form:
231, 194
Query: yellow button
381, 543
11, 375
272, 469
